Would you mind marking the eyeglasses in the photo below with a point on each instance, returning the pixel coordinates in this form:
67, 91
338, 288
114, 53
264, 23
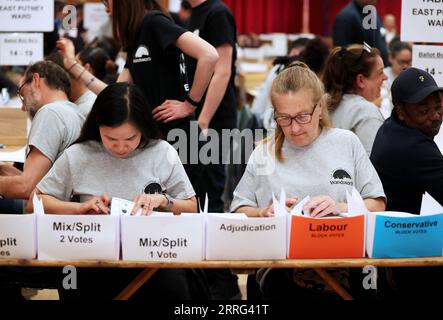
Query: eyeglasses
366, 48
284, 120
19, 90
404, 62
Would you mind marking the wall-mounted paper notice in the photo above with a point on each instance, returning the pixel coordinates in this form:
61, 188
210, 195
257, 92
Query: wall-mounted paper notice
20, 49
421, 21
26, 15
429, 58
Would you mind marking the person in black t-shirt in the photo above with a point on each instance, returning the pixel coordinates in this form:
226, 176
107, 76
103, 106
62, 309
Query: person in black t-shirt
155, 63
213, 22
409, 164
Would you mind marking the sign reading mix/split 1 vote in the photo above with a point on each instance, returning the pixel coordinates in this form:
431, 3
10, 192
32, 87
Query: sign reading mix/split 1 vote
26, 15
422, 20
20, 49
429, 58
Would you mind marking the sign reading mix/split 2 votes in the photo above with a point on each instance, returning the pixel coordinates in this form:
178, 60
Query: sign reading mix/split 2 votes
26, 15
429, 58
20, 49
422, 20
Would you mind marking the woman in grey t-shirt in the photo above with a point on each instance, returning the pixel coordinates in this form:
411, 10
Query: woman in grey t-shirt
305, 157
118, 154
353, 77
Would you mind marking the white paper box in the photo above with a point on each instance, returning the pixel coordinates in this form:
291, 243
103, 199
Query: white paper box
17, 236
163, 238
230, 238
78, 237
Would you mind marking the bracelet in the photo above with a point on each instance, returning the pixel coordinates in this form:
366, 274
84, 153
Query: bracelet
90, 81
75, 63
192, 101
80, 75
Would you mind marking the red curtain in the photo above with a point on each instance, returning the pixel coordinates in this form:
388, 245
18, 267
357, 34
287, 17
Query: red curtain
267, 16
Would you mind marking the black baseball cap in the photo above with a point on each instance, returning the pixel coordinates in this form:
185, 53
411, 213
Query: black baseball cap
413, 86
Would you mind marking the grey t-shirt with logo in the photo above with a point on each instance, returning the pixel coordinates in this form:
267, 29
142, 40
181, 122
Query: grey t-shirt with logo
362, 117
88, 169
335, 162
54, 128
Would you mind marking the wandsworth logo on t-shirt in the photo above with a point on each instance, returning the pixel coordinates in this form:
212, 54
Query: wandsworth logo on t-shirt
341, 176
142, 55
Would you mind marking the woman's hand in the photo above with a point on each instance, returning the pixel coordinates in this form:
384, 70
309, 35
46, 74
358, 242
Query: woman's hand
269, 211
322, 206
67, 50
172, 110
96, 205
148, 202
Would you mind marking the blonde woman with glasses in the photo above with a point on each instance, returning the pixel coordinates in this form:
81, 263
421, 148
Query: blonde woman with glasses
308, 158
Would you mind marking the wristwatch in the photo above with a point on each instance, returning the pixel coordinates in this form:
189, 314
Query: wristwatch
170, 202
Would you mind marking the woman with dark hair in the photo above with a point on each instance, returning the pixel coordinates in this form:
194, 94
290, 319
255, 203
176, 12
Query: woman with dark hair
118, 154
400, 58
118, 137
353, 77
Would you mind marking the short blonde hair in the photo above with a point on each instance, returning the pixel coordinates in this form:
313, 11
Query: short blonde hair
295, 77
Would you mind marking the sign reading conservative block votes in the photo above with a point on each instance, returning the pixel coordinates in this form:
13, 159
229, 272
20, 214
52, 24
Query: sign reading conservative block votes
422, 20
26, 15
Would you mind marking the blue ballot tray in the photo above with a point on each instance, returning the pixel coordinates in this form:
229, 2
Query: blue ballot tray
401, 235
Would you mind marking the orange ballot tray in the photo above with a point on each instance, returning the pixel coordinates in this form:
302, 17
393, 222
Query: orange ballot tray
332, 237
312, 238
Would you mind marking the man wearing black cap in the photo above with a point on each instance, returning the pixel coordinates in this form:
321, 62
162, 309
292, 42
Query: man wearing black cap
409, 164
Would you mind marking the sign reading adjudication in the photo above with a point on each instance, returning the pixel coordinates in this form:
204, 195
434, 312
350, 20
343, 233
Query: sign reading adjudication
429, 58
240, 238
17, 236
26, 15
422, 20
20, 49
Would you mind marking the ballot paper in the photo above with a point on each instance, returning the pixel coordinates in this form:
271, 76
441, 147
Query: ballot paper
430, 206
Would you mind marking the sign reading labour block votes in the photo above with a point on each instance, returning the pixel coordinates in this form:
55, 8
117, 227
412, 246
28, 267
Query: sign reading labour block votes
26, 15
422, 20
20, 49
429, 58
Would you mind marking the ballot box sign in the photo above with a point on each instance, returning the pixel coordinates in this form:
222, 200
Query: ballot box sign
312, 238
78, 237
26, 15
429, 58
422, 21
163, 238
403, 235
17, 236
20, 49
237, 237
